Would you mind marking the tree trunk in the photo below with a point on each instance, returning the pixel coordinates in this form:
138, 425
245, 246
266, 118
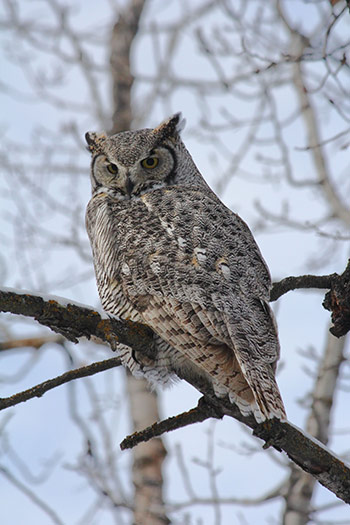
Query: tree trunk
301, 485
148, 457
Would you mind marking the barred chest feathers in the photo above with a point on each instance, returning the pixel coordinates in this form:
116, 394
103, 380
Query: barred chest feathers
108, 265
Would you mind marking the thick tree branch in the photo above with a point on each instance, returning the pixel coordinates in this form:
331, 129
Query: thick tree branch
337, 300
74, 321
301, 448
300, 486
288, 284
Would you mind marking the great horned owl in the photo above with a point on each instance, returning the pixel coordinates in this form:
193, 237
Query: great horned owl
169, 254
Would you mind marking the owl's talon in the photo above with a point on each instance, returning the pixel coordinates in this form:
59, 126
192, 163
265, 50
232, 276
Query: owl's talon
133, 355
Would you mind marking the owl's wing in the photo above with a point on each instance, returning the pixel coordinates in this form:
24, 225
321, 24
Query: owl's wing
185, 231
193, 270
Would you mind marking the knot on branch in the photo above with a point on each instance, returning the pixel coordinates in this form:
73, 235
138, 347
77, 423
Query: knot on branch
337, 301
208, 409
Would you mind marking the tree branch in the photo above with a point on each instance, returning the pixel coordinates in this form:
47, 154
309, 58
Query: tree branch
40, 389
301, 282
32, 495
300, 486
337, 300
304, 450
74, 321
200, 413
31, 342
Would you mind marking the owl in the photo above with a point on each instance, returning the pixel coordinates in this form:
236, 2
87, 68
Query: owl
168, 253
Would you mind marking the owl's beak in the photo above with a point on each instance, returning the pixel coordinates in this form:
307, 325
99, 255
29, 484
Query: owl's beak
129, 185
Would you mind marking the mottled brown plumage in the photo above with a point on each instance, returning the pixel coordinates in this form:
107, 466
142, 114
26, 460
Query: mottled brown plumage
168, 253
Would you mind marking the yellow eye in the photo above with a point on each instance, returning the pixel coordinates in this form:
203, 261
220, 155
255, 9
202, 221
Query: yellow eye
150, 162
112, 168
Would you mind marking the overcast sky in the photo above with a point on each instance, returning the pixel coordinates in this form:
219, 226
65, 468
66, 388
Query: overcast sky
41, 430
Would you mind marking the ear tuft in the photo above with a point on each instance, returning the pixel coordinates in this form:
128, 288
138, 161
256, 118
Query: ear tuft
170, 127
181, 122
95, 140
89, 138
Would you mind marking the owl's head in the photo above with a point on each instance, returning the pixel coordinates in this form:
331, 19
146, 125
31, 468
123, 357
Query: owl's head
131, 163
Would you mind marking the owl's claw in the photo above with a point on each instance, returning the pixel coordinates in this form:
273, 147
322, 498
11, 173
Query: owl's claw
133, 355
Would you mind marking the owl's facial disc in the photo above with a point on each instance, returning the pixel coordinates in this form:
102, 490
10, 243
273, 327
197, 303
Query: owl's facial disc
154, 169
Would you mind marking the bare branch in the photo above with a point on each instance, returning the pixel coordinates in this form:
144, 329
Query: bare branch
260, 500
306, 452
301, 282
31, 342
31, 495
301, 448
298, 45
198, 414
337, 300
39, 390
73, 321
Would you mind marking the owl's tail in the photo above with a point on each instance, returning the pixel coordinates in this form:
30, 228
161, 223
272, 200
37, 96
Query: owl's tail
259, 374
267, 397
251, 386
263, 401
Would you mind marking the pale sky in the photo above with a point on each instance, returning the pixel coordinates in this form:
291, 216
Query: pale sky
41, 431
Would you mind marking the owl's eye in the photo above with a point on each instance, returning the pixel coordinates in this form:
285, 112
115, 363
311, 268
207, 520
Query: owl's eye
112, 168
150, 162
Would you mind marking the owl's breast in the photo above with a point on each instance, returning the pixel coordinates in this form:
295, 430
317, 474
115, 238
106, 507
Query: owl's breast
174, 242
107, 227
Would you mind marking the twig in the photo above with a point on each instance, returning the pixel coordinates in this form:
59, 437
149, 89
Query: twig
31, 495
31, 342
198, 414
41, 388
